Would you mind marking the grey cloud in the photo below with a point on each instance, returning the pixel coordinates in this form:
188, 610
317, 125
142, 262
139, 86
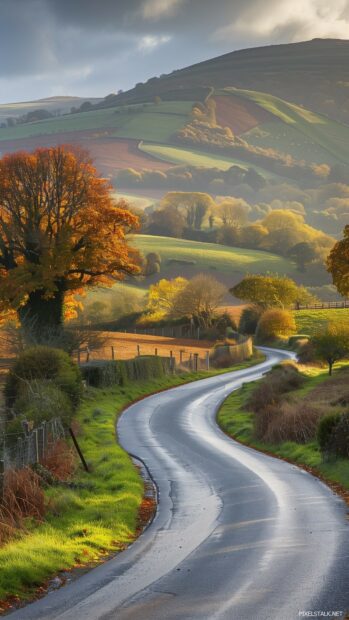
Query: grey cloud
91, 48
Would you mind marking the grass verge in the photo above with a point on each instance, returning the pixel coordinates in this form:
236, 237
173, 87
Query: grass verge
96, 514
238, 423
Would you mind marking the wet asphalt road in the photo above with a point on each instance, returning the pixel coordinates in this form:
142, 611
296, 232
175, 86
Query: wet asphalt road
238, 535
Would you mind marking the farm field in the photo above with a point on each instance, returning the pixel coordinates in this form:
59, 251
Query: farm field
190, 157
308, 321
238, 114
148, 122
219, 260
108, 154
331, 136
125, 346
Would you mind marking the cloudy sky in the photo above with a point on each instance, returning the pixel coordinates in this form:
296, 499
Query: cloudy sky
94, 47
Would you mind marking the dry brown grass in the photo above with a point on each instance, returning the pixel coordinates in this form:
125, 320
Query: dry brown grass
125, 346
60, 461
23, 498
291, 421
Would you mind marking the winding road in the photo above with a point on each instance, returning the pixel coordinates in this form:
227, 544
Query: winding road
238, 535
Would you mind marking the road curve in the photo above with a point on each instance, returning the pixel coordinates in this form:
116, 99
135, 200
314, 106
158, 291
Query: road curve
238, 535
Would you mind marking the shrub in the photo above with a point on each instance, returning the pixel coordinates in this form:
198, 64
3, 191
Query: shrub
326, 426
104, 374
339, 441
269, 392
44, 363
290, 422
293, 340
306, 352
274, 324
43, 400
249, 320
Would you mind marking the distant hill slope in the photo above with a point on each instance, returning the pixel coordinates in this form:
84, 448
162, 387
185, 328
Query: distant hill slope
311, 73
51, 104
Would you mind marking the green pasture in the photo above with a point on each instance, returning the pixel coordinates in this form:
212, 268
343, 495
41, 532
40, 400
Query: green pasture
331, 136
308, 321
140, 122
211, 257
179, 155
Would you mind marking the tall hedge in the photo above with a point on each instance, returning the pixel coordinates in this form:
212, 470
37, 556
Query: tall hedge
105, 374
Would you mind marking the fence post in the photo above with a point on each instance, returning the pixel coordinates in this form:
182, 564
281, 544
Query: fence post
208, 360
156, 351
112, 353
181, 356
41, 442
44, 439
196, 358
36, 445
2, 485
78, 450
191, 361
138, 350
87, 354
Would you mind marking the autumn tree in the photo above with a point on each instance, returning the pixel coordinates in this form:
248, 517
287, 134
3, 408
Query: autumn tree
60, 231
200, 299
270, 291
233, 212
167, 222
193, 205
338, 264
163, 297
331, 344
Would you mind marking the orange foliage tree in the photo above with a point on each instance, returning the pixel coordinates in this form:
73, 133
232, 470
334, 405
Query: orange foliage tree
60, 231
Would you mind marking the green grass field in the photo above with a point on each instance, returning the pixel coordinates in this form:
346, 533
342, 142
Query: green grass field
288, 139
148, 122
332, 137
178, 155
308, 321
218, 259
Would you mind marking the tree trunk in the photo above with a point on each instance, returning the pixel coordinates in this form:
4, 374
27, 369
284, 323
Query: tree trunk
330, 364
40, 315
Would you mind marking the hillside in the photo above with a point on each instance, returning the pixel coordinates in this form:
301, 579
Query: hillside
311, 73
265, 141
187, 258
60, 105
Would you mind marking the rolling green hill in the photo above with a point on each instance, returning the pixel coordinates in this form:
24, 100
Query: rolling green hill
315, 134
186, 258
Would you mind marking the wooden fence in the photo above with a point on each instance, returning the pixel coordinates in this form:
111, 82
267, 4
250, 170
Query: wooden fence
324, 305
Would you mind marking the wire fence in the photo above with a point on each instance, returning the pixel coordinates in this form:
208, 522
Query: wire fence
18, 450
